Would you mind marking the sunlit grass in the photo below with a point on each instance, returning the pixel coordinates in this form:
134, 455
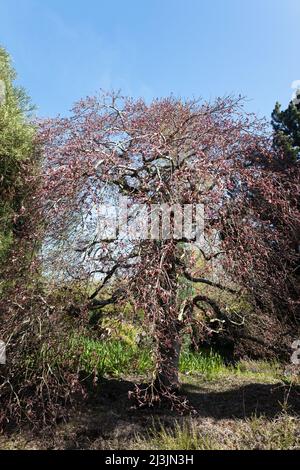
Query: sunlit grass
179, 437
281, 433
208, 363
120, 357
111, 357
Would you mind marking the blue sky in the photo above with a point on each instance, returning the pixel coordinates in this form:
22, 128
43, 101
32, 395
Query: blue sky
66, 49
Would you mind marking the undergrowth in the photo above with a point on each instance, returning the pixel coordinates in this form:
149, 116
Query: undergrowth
123, 356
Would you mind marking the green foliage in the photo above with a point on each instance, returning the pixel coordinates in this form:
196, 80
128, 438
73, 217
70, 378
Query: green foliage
5, 243
113, 357
286, 125
120, 355
121, 331
262, 370
16, 150
208, 363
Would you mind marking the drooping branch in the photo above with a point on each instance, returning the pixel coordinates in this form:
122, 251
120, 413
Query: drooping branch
210, 257
202, 280
204, 298
221, 315
98, 304
174, 152
108, 276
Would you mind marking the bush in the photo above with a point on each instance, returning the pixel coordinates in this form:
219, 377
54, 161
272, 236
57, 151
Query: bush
35, 385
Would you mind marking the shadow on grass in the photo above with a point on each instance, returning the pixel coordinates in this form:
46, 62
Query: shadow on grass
245, 401
108, 417
240, 402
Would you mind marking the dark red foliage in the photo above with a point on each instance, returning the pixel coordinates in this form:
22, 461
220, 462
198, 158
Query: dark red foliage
184, 152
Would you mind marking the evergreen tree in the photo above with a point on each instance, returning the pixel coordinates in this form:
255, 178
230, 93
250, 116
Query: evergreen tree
286, 125
16, 153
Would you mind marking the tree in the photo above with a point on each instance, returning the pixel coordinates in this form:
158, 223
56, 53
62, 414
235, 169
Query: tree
286, 142
17, 156
30, 387
286, 125
170, 152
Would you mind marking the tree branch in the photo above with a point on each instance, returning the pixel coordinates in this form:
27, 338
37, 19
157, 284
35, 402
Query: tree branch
208, 282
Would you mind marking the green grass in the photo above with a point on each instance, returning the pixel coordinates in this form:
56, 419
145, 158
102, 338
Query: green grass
119, 357
211, 366
259, 370
208, 363
111, 357
127, 351
281, 433
179, 437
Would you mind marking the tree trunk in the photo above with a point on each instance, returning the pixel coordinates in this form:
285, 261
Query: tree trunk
167, 325
167, 368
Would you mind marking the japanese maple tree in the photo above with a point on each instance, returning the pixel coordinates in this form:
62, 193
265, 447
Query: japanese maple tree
171, 152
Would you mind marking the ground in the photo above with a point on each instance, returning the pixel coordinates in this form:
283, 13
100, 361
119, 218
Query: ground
254, 408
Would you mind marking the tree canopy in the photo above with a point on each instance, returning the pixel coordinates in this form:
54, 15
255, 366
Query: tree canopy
173, 152
286, 125
17, 153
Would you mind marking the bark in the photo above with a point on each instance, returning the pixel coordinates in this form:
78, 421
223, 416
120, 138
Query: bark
168, 326
167, 370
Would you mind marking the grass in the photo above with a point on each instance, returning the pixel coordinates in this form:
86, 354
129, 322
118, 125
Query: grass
235, 412
209, 364
282, 433
111, 357
122, 356
118, 357
179, 437
260, 370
